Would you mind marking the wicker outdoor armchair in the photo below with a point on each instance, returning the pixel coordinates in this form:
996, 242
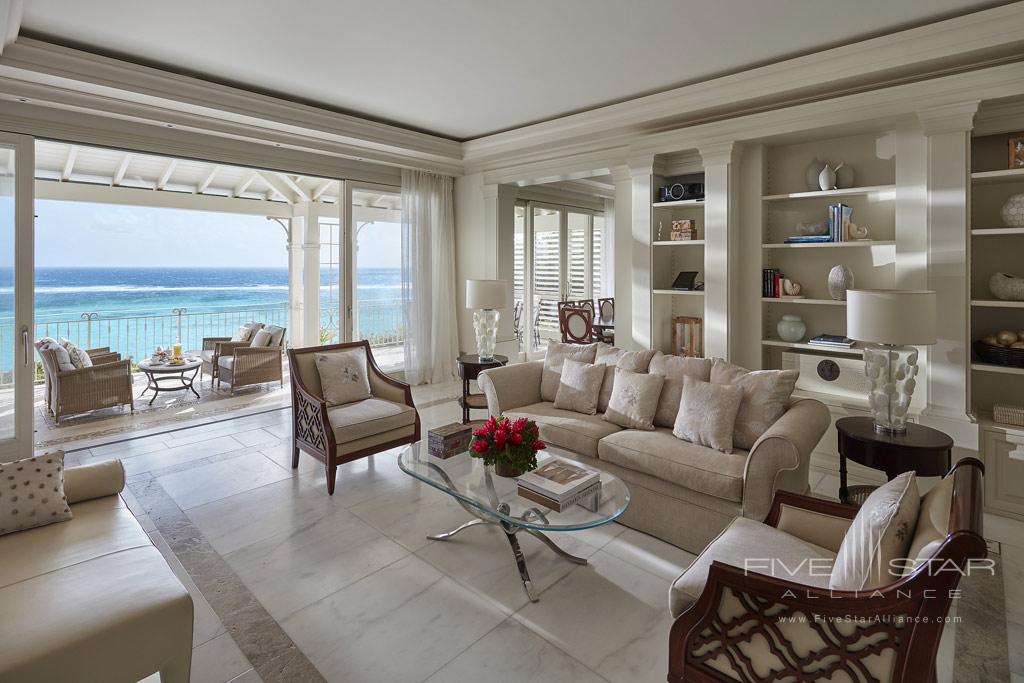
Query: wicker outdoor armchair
107, 383
242, 364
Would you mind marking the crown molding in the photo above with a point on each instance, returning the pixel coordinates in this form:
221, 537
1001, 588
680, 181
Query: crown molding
971, 41
950, 118
52, 75
1006, 116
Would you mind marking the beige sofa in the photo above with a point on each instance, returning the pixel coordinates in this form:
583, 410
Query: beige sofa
680, 492
91, 599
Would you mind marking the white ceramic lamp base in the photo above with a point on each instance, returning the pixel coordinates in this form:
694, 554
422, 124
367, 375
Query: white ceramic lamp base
485, 326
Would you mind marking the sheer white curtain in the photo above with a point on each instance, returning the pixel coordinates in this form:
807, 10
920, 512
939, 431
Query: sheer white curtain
428, 277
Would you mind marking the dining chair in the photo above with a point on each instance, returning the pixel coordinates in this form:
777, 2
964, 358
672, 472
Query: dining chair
577, 325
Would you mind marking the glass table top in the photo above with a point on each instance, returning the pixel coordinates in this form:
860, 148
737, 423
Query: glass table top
472, 483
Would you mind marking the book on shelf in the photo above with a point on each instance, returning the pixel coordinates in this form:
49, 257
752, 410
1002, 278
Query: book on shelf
588, 498
839, 221
558, 479
807, 239
836, 340
449, 440
771, 283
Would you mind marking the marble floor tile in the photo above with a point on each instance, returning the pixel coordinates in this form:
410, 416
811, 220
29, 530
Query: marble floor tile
650, 554
512, 654
128, 449
398, 624
1013, 587
249, 676
167, 457
207, 483
289, 573
206, 625
218, 660
610, 615
1003, 529
258, 437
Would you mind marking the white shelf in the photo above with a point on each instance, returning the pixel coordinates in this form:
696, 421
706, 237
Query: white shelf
986, 419
806, 302
996, 232
680, 202
812, 347
1008, 175
996, 303
1001, 369
843, 192
679, 292
678, 243
833, 245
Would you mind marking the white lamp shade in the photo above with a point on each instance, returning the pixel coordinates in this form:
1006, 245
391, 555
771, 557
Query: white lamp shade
486, 294
891, 316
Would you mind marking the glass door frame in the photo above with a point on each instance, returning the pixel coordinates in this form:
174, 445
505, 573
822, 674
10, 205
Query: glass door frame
23, 360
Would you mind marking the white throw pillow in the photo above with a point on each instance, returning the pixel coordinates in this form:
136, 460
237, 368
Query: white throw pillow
766, 394
881, 532
343, 376
579, 387
79, 358
261, 338
674, 369
556, 355
60, 355
707, 413
276, 334
245, 332
613, 357
32, 493
634, 399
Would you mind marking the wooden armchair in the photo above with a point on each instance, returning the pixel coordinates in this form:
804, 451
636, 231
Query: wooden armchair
105, 384
742, 625
577, 325
335, 435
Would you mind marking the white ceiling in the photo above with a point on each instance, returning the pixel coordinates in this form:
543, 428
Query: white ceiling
466, 68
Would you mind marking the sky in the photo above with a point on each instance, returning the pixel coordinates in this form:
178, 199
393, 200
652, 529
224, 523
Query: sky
86, 234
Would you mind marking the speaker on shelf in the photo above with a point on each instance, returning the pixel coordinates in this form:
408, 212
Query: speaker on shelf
679, 191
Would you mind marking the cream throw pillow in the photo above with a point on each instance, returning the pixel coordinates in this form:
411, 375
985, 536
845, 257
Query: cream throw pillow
881, 532
579, 387
556, 355
261, 338
32, 493
343, 376
613, 357
79, 358
766, 394
60, 354
674, 369
707, 413
634, 399
245, 332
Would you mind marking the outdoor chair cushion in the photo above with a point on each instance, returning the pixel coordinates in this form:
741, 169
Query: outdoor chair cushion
262, 338
370, 416
246, 331
226, 361
276, 334
207, 355
574, 431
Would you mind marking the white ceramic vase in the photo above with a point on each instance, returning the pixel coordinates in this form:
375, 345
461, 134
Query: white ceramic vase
840, 279
1013, 211
791, 328
827, 177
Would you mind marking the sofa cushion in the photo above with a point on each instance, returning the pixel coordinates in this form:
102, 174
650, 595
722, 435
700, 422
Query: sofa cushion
579, 386
32, 493
553, 359
343, 376
758, 548
707, 414
634, 399
674, 369
370, 416
766, 394
613, 357
566, 429
662, 455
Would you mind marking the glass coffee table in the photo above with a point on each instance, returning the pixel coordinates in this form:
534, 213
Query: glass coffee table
491, 499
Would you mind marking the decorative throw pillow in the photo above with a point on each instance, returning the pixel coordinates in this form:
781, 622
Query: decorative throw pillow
634, 399
766, 394
707, 413
245, 332
276, 334
343, 376
79, 358
60, 355
261, 338
881, 532
674, 369
613, 357
32, 493
556, 355
580, 384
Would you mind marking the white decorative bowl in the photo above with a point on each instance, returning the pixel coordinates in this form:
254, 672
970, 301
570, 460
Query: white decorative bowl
1013, 211
1007, 287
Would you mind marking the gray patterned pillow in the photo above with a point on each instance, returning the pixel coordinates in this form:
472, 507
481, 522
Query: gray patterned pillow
613, 357
881, 532
79, 358
634, 399
556, 355
674, 369
32, 493
343, 376
707, 413
246, 331
766, 394
580, 384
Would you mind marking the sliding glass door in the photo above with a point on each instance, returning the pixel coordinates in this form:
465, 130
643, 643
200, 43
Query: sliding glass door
17, 366
548, 273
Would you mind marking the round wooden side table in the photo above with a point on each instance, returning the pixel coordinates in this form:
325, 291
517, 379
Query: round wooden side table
470, 367
926, 451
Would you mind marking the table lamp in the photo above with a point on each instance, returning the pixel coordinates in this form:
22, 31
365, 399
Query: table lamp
889, 322
486, 296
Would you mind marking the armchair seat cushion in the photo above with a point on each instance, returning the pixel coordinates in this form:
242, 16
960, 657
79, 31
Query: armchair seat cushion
370, 416
207, 355
574, 431
662, 455
226, 361
757, 548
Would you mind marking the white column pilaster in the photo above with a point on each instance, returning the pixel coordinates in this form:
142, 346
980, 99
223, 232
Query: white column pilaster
721, 220
295, 283
639, 281
619, 241
499, 254
306, 223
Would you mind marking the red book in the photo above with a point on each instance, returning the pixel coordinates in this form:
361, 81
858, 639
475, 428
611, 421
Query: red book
778, 284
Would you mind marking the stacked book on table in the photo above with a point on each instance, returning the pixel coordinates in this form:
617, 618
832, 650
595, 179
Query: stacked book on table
559, 484
832, 340
448, 441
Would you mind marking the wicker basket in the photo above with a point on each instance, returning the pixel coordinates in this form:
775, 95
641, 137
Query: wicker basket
1008, 415
999, 355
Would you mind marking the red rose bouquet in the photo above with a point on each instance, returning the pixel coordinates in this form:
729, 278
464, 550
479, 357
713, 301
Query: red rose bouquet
510, 445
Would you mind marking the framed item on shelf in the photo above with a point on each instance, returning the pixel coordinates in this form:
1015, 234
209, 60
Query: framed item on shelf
684, 229
1016, 146
688, 336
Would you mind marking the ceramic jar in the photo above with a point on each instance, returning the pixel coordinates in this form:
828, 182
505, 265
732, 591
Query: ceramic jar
1013, 211
791, 328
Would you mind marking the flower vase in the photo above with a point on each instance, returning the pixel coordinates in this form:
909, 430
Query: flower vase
505, 469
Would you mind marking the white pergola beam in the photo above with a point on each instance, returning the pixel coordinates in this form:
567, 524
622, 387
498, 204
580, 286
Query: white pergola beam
296, 188
166, 175
319, 192
69, 163
244, 185
205, 184
278, 185
122, 168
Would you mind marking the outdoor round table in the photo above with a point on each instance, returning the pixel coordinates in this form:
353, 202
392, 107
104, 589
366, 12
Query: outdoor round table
165, 372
